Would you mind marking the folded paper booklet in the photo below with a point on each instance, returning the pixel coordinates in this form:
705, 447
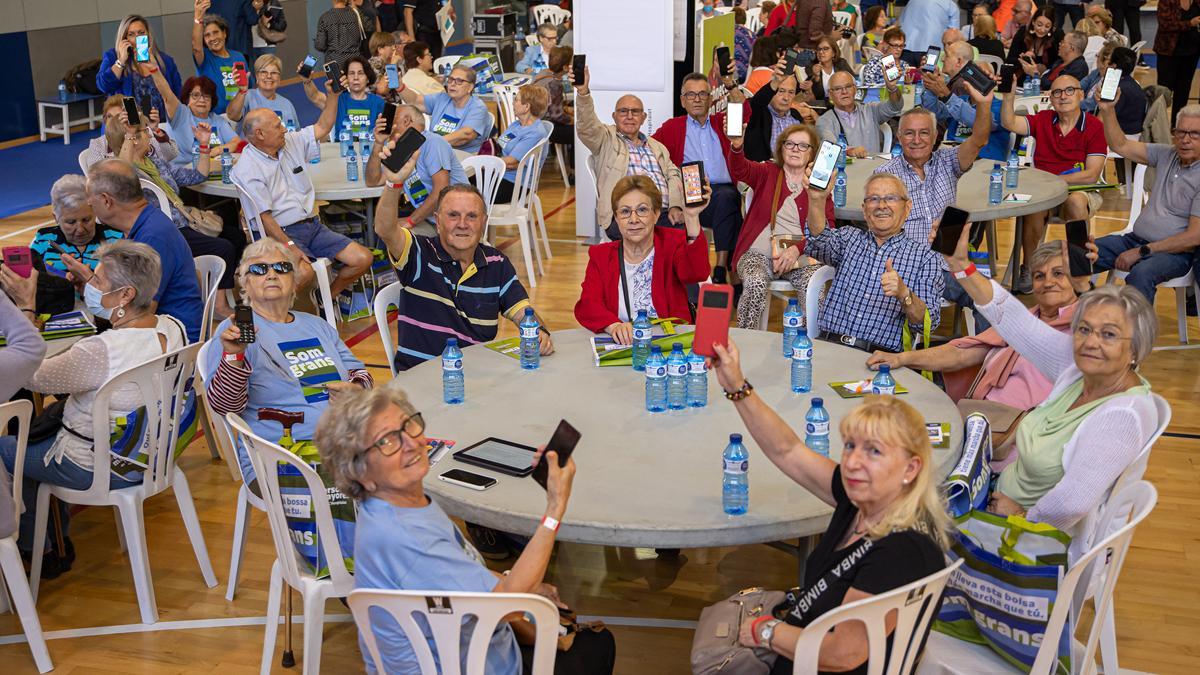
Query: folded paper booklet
1093, 187
859, 388
510, 347
609, 353
61, 326
1017, 198
939, 434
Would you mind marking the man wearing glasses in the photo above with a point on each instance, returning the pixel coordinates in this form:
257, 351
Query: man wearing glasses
1070, 144
858, 122
1163, 237
1070, 60
697, 136
884, 279
955, 108
621, 149
458, 115
1022, 12
774, 108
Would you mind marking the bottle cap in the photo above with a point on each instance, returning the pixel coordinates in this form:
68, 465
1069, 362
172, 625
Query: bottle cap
677, 347
802, 330
791, 302
885, 368
735, 438
818, 402
451, 342
528, 311
656, 349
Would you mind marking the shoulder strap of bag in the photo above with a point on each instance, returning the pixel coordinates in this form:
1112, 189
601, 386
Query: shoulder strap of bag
906, 340
624, 281
775, 201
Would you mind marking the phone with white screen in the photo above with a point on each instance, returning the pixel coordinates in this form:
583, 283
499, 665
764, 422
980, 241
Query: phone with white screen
931, 58
733, 120
1112, 80
823, 166
467, 479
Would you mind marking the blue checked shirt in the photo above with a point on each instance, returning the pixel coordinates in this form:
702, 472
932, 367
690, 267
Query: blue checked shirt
856, 304
642, 162
930, 196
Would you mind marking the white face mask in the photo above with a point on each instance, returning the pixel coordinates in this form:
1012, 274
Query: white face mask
93, 297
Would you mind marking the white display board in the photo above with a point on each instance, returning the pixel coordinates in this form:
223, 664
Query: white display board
629, 51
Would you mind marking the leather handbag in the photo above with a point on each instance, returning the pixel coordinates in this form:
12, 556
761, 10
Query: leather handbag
715, 646
204, 222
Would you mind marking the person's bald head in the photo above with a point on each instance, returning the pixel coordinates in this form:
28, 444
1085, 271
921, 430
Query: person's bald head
951, 35
842, 90
1023, 12
410, 116
629, 115
957, 55
1065, 94
263, 129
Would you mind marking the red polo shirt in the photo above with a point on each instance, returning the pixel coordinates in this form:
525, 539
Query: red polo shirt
1057, 153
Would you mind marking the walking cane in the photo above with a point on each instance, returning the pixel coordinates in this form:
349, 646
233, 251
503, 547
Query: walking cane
288, 659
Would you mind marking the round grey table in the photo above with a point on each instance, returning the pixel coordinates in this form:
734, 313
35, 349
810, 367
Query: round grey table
328, 179
1045, 190
643, 480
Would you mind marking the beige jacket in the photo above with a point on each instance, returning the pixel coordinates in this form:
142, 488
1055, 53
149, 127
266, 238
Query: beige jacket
612, 159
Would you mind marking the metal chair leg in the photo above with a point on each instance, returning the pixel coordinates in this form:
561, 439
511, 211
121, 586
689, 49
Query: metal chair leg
289, 659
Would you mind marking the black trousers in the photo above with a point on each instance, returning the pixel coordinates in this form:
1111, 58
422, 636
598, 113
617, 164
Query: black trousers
563, 133
592, 653
724, 216
389, 17
1062, 11
433, 38
504, 193
1126, 12
1175, 72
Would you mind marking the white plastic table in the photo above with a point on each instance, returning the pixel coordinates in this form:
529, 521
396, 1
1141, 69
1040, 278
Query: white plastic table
64, 108
328, 179
643, 480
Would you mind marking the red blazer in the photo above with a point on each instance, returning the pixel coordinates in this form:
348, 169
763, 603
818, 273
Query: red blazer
676, 263
760, 176
673, 133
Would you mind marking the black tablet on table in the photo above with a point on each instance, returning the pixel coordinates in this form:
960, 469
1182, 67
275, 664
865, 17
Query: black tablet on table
497, 454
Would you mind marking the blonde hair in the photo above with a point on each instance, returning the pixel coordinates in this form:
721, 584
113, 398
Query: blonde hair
920, 506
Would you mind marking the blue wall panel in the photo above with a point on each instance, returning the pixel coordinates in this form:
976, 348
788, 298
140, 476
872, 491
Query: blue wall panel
18, 112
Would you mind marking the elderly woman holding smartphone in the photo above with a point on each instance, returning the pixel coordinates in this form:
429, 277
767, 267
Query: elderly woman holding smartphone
1099, 414
281, 359
771, 242
128, 67
199, 95
229, 69
375, 446
648, 268
889, 525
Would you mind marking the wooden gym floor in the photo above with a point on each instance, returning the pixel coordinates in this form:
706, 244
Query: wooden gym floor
90, 614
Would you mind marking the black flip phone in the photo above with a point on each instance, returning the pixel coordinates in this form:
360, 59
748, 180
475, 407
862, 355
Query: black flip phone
131, 111
1077, 239
578, 63
564, 440
334, 72
949, 230
723, 60
406, 145
389, 117
243, 318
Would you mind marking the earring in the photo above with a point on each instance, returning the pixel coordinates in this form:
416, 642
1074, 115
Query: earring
905, 481
121, 312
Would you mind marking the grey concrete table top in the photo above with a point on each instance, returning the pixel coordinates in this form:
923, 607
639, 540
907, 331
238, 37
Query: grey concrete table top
328, 179
1045, 189
643, 480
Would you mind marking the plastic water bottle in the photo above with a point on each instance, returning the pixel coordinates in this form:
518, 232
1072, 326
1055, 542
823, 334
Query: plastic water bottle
226, 166
195, 152
62, 90
352, 167
918, 91
367, 143
839, 189
1013, 171
346, 139
897, 151
816, 428
697, 381
996, 185
521, 34
883, 382
656, 380
531, 348
677, 370
841, 161
1035, 85
791, 323
735, 486
802, 352
454, 386
642, 332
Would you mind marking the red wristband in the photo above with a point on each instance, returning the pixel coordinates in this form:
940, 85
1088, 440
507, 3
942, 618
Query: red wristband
967, 271
754, 626
226, 356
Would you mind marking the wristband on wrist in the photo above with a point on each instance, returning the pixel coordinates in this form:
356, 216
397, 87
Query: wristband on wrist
754, 627
204, 148
394, 186
226, 356
966, 272
550, 523
408, 222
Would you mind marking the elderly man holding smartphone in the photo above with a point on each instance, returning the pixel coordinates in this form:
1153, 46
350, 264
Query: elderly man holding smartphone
858, 123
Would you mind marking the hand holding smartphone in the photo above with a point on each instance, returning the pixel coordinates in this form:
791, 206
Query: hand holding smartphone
306, 67
141, 49
712, 318
563, 442
693, 182
733, 120
131, 111
406, 145
1112, 82
823, 165
333, 71
243, 318
19, 259
1077, 241
578, 64
949, 231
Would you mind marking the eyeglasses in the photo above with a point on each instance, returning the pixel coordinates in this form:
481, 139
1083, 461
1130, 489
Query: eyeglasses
842, 89
199, 96
260, 269
626, 112
392, 441
643, 212
694, 95
1107, 336
824, 49
890, 200
457, 80
1184, 133
913, 133
797, 145
269, 73
896, 45
786, 92
1065, 91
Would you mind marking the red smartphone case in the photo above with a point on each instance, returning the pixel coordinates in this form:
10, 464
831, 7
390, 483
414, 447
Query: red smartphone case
712, 318
19, 260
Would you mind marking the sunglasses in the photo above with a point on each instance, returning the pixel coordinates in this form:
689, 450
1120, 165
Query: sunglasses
260, 269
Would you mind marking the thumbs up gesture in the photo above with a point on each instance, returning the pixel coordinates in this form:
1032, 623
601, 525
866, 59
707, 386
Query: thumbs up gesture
893, 285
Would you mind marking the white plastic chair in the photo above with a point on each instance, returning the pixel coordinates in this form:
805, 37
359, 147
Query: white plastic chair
1181, 283
210, 269
1137, 47
388, 296
489, 609
161, 383
321, 266
782, 289
560, 155
521, 211
265, 456
11, 569
913, 605
83, 163
506, 96
550, 14
994, 61
841, 18
223, 437
163, 204
945, 654
489, 172
886, 130
444, 64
